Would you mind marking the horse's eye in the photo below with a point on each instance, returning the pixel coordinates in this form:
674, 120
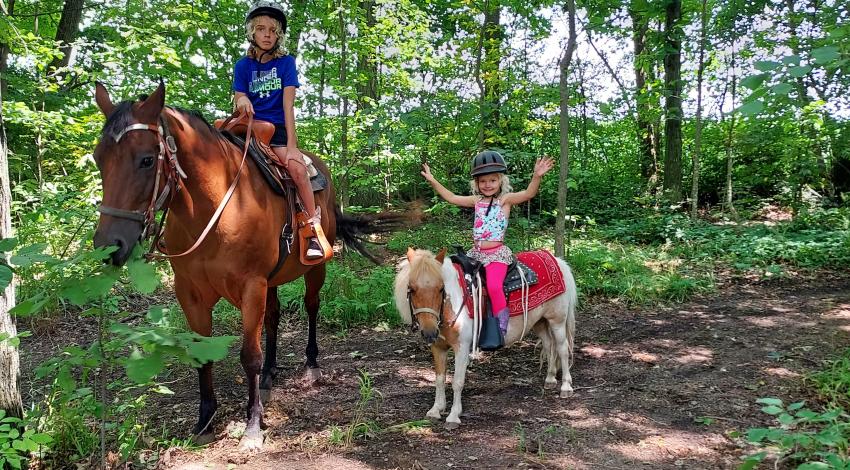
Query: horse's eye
147, 162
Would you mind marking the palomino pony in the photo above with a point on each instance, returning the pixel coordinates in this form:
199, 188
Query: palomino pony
155, 157
429, 285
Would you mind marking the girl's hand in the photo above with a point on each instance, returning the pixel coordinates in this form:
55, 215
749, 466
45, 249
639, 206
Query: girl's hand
426, 172
243, 105
543, 165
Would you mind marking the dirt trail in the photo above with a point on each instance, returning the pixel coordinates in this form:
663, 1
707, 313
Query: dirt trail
655, 388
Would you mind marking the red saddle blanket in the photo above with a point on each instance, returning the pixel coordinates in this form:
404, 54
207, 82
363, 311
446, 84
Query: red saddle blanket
550, 282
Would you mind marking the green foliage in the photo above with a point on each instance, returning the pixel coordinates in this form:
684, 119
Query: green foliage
804, 437
18, 441
832, 382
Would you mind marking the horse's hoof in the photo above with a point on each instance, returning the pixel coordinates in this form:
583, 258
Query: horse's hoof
451, 426
550, 385
312, 375
265, 395
433, 416
203, 439
250, 443
566, 393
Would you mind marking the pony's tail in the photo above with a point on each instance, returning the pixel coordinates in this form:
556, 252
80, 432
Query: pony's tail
353, 229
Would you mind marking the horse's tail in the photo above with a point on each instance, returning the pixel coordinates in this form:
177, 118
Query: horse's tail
353, 229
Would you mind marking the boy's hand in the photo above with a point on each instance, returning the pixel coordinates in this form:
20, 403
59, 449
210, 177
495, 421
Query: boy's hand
543, 165
426, 172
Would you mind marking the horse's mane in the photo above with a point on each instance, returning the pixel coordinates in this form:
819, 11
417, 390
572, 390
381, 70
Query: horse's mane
423, 266
122, 116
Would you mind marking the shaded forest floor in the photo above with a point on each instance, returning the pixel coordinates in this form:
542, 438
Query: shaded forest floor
655, 387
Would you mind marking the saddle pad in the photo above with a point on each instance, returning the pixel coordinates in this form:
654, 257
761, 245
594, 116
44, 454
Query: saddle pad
513, 280
318, 182
550, 282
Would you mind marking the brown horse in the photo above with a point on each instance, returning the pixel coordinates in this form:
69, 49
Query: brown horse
155, 157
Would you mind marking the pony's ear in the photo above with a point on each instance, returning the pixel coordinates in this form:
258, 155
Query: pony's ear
410, 253
149, 110
441, 255
101, 97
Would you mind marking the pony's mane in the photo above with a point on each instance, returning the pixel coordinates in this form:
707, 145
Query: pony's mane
424, 265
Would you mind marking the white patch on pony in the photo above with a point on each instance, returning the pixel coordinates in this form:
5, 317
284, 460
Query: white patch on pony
452, 287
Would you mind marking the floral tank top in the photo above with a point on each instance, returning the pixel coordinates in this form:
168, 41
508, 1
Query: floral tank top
489, 226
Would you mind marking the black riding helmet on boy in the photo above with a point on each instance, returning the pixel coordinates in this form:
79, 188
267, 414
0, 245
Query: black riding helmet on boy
272, 10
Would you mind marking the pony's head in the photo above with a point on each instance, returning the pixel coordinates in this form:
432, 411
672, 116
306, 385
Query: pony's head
128, 157
420, 294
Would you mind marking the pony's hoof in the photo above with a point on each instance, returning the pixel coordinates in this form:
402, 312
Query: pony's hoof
265, 395
550, 385
451, 425
203, 439
433, 415
566, 393
250, 443
312, 375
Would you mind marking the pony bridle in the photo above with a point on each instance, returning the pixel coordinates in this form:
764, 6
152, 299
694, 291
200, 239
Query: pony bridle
174, 174
438, 314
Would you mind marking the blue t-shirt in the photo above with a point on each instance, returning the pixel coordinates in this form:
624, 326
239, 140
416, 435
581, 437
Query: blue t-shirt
264, 84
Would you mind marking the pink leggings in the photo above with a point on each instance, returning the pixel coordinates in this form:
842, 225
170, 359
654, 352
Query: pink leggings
495, 273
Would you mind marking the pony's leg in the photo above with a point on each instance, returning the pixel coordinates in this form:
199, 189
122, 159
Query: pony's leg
198, 310
253, 306
458, 380
541, 329
313, 280
558, 329
271, 319
439, 354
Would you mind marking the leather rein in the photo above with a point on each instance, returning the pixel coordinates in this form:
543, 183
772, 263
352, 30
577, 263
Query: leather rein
168, 165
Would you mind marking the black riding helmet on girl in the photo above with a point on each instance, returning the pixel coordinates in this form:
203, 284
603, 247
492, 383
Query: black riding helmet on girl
270, 9
487, 162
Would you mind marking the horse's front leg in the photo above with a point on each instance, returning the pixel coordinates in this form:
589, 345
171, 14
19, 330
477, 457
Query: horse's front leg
313, 281
439, 353
272, 320
253, 306
458, 380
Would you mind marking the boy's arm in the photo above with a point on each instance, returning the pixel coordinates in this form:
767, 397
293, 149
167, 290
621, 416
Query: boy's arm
450, 197
542, 166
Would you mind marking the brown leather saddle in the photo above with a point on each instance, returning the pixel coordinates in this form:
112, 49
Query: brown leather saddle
237, 128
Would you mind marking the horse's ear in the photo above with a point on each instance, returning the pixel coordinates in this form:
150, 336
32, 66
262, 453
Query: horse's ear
149, 110
410, 253
441, 255
101, 97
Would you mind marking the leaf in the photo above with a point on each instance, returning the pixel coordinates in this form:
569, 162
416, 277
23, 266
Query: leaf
28, 307
210, 349
772, 410
825, 55
791, 59
767, 65
769, 401
8, 244
141, 369
800, 70
796, 406
782, 88
754, 81
756, 435
751, 108
6, 275
143, 276
752, 460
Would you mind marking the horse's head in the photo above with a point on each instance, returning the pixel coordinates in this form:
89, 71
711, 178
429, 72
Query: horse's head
129, 157
420, 292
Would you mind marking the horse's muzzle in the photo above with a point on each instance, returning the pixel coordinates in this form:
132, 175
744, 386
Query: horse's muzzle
120, 238
430, 335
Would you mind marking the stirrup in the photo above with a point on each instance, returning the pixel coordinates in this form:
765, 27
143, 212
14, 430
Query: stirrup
307, 229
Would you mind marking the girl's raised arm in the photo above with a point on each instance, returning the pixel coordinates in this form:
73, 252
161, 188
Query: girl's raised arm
540, 168
450, 197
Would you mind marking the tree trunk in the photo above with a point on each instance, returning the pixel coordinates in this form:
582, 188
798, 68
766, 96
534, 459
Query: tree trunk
673, 104
491, 41
10, 395
698, 131
343, 65
647, 141
295, 24
4, 52
66, 32
564, 91
367, 65
730, 135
